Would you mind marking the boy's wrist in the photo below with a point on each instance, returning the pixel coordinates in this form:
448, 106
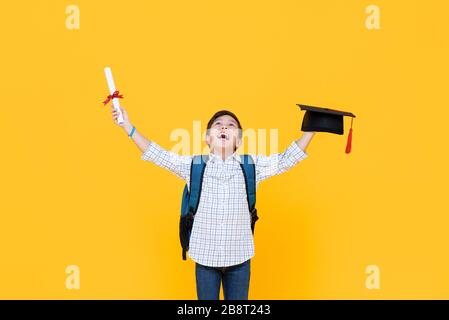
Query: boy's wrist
127, 127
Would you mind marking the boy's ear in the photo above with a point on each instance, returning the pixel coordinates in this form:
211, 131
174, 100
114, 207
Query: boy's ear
238, 143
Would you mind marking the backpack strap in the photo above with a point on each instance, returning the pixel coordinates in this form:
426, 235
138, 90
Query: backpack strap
196, 181
190, 200
249, 172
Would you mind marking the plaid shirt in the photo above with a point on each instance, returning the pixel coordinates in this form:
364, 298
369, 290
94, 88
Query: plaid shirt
221, 234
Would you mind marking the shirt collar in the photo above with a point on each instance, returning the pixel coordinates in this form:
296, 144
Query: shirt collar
235, 156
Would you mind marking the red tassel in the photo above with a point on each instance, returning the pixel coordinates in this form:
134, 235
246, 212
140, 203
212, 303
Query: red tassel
349, 143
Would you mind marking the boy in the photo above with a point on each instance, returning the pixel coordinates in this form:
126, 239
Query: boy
221, 241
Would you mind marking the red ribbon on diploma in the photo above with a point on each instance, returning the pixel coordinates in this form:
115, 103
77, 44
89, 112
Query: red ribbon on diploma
116, 94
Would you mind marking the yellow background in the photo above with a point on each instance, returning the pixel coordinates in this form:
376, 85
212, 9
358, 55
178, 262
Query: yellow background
74, 190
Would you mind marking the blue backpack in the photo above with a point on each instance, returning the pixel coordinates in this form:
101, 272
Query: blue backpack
191, 200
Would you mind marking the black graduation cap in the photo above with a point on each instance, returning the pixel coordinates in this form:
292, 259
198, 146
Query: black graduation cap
326, 120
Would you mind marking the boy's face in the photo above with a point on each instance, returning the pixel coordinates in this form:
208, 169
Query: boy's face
224, 134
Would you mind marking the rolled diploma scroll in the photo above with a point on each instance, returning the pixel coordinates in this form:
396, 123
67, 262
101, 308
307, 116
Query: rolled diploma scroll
115, 101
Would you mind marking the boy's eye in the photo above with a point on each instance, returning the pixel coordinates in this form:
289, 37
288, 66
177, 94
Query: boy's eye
231, 124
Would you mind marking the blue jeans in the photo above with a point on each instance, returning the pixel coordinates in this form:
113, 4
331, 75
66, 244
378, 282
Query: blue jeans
235, 281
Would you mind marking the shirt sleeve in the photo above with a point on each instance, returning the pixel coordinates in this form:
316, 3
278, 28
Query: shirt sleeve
173, 162
274, 164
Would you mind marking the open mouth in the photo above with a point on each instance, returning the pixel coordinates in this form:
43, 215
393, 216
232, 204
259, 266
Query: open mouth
223, 136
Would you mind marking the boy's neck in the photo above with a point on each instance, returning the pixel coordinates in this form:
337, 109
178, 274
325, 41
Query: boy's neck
222, 153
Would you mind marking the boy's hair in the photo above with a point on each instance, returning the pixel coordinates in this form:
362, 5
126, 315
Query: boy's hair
224, 113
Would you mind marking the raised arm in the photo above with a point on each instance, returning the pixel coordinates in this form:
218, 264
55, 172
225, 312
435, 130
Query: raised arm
274, 164
152, 152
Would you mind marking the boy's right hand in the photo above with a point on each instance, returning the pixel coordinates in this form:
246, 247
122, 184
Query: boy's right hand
126, 123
